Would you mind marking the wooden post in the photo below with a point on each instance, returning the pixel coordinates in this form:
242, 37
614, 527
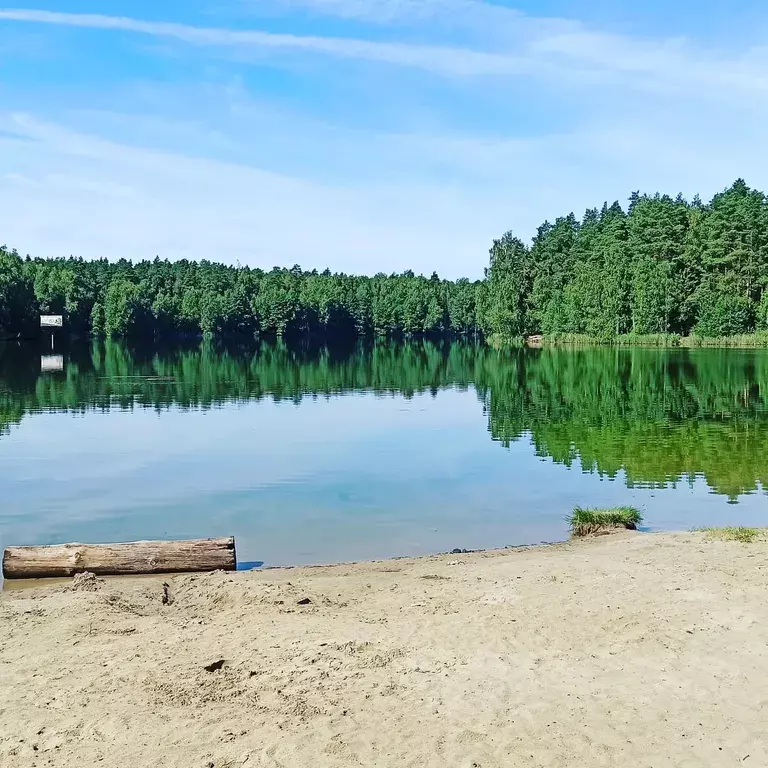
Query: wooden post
114, 559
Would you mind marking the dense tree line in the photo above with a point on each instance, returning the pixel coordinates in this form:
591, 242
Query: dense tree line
649, 417
664, 266
162, 299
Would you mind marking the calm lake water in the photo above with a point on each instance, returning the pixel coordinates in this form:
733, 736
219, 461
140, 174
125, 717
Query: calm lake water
313, 455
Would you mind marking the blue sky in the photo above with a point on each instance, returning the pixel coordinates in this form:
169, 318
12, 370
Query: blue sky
365, 135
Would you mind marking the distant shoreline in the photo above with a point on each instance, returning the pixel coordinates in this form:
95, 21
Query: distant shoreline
758, 340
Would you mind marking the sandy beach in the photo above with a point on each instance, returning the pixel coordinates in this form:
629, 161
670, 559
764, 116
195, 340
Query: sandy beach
624, 650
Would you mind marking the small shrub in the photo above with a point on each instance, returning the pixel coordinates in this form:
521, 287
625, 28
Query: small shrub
586, 521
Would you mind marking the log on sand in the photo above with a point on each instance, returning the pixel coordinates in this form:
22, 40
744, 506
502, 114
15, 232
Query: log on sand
113, 559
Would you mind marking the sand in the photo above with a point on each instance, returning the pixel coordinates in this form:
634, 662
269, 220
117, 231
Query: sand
628, 650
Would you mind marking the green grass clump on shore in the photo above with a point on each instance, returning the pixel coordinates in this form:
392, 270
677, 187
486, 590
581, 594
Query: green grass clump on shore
574, 340
499, 341
586, 521
649, 340
757, 340
744, 535
623, 340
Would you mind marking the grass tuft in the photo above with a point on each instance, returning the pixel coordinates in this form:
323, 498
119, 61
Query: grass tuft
587, 521
622, 340
758, 339
744, 535
500, 341
648, 340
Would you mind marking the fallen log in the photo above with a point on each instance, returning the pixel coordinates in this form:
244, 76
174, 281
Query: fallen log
115, 559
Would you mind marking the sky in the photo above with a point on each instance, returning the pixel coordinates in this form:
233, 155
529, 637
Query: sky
362, 135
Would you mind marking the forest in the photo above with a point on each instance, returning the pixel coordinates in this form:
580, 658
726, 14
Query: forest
656, 418
663, 266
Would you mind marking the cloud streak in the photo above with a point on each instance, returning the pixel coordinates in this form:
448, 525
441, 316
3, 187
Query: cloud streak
535, 47
464, 14
366, 169
106, 198
132, 202
440, 59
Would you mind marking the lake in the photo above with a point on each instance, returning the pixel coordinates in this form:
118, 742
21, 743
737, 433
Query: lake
316, 454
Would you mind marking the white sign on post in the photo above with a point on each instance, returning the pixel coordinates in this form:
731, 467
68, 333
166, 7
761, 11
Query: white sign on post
51, 321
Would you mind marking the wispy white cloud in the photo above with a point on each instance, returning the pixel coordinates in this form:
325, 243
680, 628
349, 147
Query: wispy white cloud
441, 59
69, 191
557, 45
492, 19
373, 11
532, 46
76, 192
206, 170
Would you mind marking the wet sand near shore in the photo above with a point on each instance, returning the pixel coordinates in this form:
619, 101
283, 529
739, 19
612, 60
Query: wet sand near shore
625, 650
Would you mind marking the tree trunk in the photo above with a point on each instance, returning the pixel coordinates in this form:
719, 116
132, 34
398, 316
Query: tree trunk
111, 559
